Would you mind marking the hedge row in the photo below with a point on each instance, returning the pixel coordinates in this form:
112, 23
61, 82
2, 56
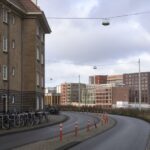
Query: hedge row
143, 114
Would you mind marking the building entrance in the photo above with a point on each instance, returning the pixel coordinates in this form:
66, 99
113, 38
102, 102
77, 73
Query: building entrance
5, 103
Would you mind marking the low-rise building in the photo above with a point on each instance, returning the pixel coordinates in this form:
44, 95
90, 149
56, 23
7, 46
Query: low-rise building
120, 96
104, 95
51, 98
71, 93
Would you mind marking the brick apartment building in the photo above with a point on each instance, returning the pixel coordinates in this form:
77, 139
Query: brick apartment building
132, 81
22, 49
70, 93
98, 79
120, 94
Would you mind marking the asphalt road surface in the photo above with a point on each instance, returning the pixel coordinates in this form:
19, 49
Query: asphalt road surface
18, 139
128, 134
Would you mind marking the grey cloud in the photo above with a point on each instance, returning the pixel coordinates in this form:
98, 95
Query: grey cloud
87, 41
97, 45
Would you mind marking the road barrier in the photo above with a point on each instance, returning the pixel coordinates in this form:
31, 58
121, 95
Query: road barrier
88, 126
104, 119
60, 132
95, 124
76, 128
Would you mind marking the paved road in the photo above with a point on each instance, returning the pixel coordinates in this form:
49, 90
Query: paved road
18, 139
128, 134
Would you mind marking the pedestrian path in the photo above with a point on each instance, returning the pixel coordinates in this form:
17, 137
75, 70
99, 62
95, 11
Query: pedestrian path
53, 119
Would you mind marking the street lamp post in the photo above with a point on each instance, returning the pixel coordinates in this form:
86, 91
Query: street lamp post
79, 91
139, 63
95, 67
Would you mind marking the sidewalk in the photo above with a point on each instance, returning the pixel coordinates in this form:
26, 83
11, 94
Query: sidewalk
53, 119
70, 139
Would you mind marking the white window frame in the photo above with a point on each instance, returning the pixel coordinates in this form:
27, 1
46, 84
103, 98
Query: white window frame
5, 15
5, 44
13, 44
37, 30
13, 19
37, 79
42, 81
37, 103
13, 71
38, 53
5, 72
13, 99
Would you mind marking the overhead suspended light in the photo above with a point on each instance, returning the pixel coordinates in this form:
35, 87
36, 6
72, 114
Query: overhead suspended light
105, 22
94, 67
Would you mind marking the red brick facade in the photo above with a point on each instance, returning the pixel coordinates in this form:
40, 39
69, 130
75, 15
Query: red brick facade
98, 79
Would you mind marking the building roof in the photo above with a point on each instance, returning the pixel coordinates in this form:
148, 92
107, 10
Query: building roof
26, 5
29, 8
17, 3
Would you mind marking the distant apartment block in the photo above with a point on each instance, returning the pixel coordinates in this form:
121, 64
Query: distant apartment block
98, 79
71, 93
132, 81
120, 94
104, 95
23, 26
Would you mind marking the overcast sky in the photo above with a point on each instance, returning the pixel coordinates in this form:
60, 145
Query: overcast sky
74, 46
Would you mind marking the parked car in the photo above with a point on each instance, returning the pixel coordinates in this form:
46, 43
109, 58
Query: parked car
53, 110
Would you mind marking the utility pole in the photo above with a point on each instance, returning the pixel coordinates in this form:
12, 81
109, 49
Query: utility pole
94, 85
79, 91
139, 63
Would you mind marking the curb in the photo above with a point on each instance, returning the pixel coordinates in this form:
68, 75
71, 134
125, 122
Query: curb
36, 127
148, 144
69, 145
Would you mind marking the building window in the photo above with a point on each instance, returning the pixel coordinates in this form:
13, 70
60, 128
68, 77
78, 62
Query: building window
42, 37
37, 103
5, 100
13, 71
5, 44
5, 16
42, 59
37, 79
42, 82
42, 103
38, 53
13, 99
37, 31
13, 19
5, 72
13, 44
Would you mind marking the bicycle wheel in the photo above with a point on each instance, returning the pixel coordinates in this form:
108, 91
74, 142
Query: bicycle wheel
6, 123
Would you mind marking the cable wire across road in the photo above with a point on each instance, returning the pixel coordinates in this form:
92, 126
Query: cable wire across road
99, 18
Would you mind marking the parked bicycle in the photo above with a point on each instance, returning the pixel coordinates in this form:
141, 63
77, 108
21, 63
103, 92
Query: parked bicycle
25, 119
